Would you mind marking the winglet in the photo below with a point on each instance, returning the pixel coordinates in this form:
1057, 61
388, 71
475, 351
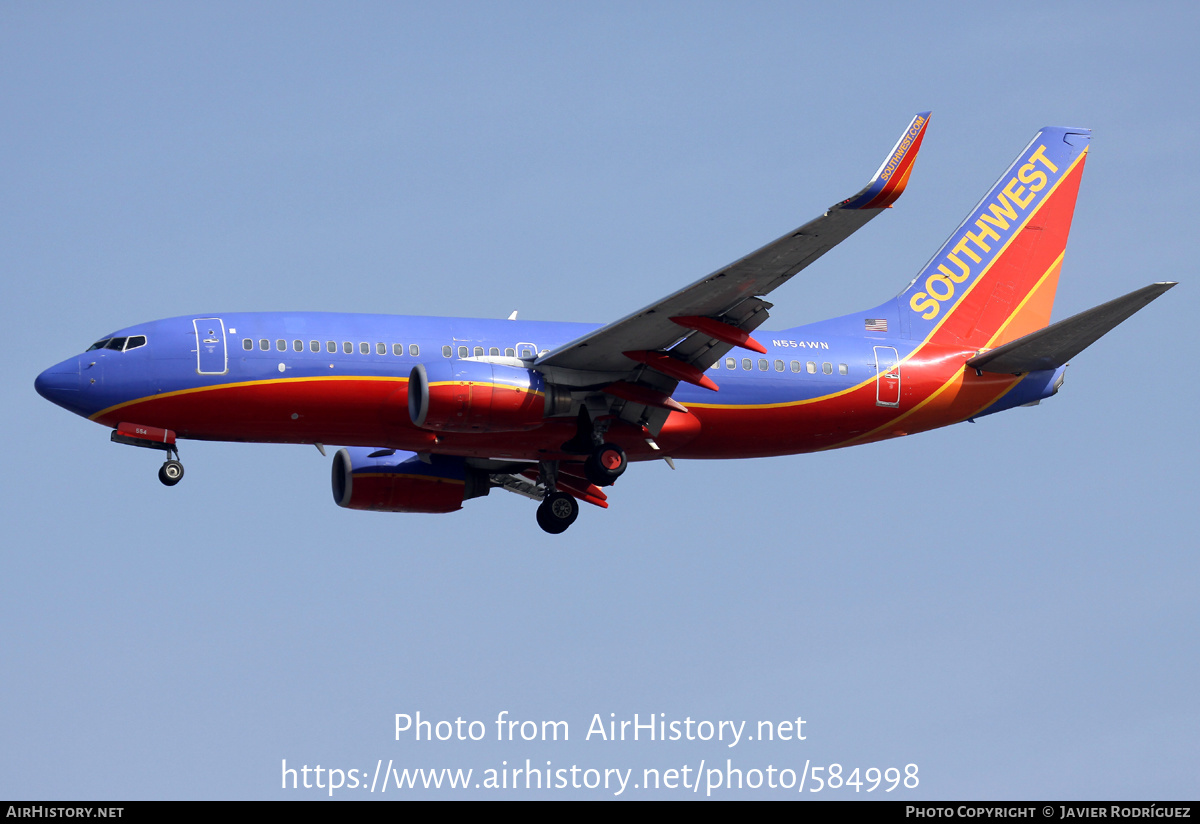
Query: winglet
889, 182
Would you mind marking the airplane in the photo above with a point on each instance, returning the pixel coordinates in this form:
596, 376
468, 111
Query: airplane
432, 412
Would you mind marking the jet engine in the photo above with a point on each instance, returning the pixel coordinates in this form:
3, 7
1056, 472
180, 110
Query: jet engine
474, 396
394, 481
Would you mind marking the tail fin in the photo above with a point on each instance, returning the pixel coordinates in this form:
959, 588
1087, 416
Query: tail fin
994, 280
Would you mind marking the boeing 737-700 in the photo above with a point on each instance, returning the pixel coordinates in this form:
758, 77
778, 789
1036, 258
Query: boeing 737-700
432, 412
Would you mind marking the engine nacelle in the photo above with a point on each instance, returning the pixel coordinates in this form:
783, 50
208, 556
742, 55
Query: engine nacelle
472, 396
402, 482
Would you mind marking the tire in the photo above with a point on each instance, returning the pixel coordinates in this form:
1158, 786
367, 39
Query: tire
170, 473
605, 464
557, 512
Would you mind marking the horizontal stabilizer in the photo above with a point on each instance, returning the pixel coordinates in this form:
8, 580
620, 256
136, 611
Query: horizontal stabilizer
1053, 346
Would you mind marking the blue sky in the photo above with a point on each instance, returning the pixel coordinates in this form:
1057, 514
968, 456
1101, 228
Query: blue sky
1010, 605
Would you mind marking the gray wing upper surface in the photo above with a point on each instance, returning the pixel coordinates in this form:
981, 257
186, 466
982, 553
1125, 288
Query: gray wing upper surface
733, 294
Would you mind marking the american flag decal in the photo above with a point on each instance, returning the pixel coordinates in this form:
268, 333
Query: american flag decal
876, 324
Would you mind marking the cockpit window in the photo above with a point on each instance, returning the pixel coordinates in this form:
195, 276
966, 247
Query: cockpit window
119, 344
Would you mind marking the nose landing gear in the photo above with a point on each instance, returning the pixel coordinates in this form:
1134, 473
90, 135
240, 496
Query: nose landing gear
150, 437
171, 472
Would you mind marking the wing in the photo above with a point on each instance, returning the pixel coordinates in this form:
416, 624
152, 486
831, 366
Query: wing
686, 332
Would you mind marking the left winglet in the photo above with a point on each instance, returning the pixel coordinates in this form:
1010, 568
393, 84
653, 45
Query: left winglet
888, 183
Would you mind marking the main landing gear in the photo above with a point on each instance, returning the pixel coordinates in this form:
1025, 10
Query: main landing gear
603, 463
557, 512
606, 463
558, 509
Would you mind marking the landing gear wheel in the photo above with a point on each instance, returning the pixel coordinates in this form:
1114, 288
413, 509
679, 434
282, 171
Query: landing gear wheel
605, 465
557, 512
170, 473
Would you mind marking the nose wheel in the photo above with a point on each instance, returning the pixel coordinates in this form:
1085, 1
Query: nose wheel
171, 472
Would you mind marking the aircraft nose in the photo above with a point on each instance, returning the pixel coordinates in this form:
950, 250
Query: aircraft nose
60, 384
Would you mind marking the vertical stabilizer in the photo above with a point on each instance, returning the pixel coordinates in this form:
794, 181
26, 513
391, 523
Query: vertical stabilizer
994, 280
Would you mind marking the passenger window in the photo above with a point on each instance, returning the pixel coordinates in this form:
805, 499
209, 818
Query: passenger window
348, 347
842, 369
762, 364
247, 343
778, 366
414, 350
479, 351
716, 365
510, 352
747, 364
380, 348
298, 345
730, 363
140, 340
812, 368
827, 368
314, 346
331, 347
494, 351
463, 351
281, 345
446, 351
364, 347
526, 352
795, 366
264, 344
398, 349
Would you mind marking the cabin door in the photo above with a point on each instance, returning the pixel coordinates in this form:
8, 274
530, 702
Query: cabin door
211, 356
887, 376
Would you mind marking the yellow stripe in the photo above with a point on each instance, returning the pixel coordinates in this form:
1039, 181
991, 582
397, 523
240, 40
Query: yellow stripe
243, 384
494, 386
1028, 295
916, 408
897, 419
782, 404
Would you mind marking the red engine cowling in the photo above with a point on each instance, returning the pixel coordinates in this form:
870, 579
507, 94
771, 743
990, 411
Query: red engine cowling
402, 482
470, 396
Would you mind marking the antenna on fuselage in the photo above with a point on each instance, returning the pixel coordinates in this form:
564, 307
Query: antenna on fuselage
513, 316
